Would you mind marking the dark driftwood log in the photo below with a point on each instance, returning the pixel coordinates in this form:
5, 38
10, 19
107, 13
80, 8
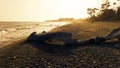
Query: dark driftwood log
67, 37
60, 36
115, 33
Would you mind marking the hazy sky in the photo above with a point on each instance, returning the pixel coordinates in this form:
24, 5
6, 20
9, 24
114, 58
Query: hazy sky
39, 10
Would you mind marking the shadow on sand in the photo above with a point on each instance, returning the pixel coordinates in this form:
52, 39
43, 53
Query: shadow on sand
64, 49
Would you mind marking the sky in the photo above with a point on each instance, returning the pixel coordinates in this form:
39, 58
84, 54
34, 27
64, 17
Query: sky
40, 10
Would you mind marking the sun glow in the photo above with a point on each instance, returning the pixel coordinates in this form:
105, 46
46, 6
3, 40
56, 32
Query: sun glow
70, 8
75, 8
38, 10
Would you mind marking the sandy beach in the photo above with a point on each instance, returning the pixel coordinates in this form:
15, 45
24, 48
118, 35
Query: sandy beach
44, 55
59, 33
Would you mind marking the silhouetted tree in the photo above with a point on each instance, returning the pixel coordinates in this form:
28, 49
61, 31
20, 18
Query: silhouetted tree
92, 12
107, 14
106, 11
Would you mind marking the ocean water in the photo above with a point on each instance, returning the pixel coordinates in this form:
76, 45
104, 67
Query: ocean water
12, 31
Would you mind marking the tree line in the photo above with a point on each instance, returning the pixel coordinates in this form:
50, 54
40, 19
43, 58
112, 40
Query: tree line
107, 11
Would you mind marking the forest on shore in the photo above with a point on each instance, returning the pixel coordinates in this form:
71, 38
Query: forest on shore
108, 11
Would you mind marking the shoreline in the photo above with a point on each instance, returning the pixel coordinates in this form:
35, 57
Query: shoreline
17, 31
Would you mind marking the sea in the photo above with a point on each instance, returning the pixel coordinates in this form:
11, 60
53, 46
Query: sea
12, 31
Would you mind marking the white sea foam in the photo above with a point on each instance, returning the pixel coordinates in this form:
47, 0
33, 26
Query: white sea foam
2, 32
13, 33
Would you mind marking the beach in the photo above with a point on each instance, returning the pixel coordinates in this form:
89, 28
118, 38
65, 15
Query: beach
13, 31
38, 54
